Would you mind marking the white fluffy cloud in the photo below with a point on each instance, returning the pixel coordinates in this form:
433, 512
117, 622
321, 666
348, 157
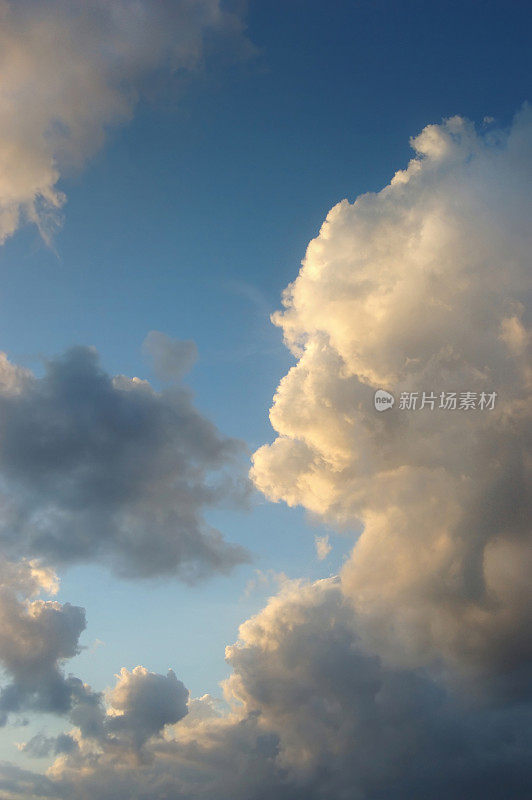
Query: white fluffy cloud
100, 468
422, 287
68, 72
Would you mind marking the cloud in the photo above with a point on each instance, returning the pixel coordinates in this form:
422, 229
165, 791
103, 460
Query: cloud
41, 746
264, 580
120, 721
17, 783
143, 702
72, 70
36, 637
171, 358
107, 469
422, 287
347, 724
323, 547
314, 715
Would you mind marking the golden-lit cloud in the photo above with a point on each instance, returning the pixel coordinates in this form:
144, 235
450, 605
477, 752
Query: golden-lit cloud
420, 288
70, 71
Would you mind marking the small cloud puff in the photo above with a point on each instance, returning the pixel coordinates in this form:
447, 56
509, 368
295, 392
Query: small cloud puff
323, 547
171, 358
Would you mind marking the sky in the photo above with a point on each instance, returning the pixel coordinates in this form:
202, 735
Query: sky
223, 227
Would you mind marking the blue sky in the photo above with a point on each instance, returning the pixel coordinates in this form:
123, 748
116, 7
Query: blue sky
192, 219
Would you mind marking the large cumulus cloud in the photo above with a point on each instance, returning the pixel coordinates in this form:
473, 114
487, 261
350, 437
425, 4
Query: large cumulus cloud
69, 71
422, 287
313, 715
100, 468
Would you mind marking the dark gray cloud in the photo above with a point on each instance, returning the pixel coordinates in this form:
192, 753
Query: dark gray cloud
107, 469
42, 746
16, 783
37, 637
137, 709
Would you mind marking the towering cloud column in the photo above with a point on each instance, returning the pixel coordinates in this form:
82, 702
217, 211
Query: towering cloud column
421, 290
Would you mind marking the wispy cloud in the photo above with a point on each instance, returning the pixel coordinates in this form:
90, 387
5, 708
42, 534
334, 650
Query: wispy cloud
323, 546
